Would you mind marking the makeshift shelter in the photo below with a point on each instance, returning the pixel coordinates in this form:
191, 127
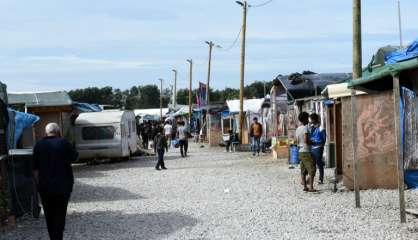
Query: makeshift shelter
213, 116
50, 107
252, 108
287, 89
384, 145
334, 95
388, 110
289, 96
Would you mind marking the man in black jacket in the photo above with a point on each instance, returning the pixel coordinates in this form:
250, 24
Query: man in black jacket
52, 157
160, 147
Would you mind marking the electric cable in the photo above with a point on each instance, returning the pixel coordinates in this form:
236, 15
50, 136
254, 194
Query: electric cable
261, 4
233, 43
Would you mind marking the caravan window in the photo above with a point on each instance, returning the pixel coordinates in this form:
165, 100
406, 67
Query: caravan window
98, 133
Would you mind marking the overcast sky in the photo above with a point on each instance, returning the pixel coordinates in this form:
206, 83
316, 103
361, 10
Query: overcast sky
61, 44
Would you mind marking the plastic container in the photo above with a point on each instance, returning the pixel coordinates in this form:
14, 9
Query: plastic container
294, 154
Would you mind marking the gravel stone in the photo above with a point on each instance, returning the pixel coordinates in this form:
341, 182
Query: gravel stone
217, 195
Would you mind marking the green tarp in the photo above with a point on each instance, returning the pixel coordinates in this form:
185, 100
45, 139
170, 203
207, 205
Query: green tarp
385, 71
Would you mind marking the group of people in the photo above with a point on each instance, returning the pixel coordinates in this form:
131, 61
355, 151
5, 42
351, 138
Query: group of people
147, 130
310, 139
168, 135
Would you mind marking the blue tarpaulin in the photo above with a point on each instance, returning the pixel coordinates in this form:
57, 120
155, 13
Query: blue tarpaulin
17, 124
87, 107
404, 54
408, 118
411, 178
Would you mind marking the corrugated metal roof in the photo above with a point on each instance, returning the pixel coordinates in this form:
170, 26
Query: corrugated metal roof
41, 99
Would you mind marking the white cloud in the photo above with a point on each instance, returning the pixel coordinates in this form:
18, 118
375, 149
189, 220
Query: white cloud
69, 63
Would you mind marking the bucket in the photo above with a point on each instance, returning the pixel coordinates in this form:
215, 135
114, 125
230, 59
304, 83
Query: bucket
294, 154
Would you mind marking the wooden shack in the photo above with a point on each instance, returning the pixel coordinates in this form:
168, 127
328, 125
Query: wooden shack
386, 134
50, 107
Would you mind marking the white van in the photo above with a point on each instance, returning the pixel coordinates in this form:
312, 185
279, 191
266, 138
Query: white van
107, 134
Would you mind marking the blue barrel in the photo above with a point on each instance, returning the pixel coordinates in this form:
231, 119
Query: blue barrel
294, 154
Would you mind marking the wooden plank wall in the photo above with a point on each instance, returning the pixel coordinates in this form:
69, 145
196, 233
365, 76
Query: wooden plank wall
376, 142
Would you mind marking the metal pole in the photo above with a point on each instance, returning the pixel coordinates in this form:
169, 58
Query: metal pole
242, 77
161, 98
400, 23
399, 149
175, 89
211, 44
357, 72
190, 90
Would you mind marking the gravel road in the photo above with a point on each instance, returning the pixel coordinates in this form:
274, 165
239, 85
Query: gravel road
217, 195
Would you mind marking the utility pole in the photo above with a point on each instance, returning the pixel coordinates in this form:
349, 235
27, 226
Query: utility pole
161, 98
190, 90
175, 89
357, 73
400, 23
244, 5
211, 44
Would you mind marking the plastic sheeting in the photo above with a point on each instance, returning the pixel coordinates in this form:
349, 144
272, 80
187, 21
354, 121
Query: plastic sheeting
87, 107
402, 55
411, 178
250, 105
18, 122
409, 128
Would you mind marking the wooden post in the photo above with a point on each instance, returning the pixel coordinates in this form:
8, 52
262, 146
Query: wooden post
399, 149
357, 72
190, 90
242, 74
334, 110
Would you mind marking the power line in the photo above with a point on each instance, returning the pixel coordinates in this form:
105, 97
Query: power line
233, 43
261, 4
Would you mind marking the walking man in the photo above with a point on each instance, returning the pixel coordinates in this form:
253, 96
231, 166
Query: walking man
52, 157
160, 146
168, 131
318, 139
256, 130
183, 135
307, 164
146, 128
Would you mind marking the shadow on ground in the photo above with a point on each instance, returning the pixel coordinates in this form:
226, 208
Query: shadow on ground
106, 225
87, 193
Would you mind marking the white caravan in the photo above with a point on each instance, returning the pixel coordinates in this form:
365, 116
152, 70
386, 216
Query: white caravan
107, 134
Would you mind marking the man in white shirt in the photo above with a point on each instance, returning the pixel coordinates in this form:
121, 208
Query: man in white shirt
168, 131
307, 164
183, 135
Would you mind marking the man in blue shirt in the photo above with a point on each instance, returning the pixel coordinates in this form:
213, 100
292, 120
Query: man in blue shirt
318, 139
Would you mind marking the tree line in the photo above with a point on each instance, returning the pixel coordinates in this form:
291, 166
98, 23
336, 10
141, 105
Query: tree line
147, 96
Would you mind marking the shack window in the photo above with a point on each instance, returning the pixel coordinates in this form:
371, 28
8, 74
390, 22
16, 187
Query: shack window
98, 133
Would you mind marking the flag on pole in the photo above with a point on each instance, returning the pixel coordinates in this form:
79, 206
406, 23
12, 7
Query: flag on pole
202, 94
